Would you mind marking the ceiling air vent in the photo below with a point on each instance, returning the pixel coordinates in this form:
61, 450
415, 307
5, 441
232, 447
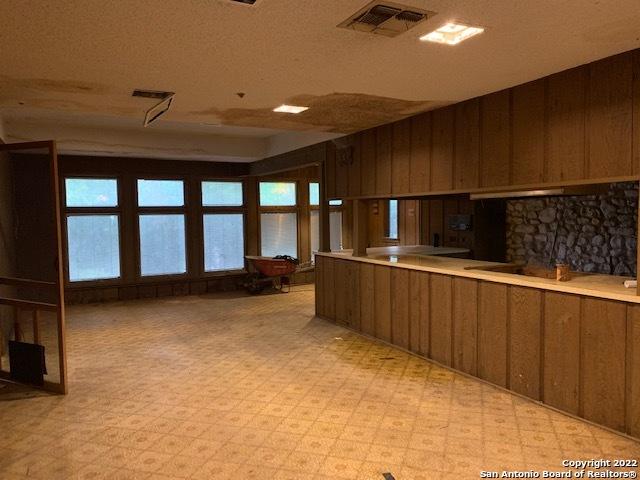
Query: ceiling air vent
247, 2
389, 19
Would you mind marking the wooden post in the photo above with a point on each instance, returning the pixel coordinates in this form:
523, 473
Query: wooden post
325, 235
360, 228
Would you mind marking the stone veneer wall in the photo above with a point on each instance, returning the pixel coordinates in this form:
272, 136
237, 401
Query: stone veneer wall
594, 233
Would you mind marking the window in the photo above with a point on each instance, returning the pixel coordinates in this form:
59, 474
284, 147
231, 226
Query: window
223, 225
278, 219
392, 218
93, 229
335, 220
161, 227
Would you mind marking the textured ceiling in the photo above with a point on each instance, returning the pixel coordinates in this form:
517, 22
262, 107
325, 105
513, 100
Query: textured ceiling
84, 57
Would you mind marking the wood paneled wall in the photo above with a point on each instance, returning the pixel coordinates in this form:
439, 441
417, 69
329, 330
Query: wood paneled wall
576, 126
578, 354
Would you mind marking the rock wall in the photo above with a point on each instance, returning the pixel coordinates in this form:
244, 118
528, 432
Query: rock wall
594, 233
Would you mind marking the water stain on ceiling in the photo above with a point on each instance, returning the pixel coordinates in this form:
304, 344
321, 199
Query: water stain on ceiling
335, 112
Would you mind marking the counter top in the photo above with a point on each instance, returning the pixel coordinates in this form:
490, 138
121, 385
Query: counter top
594, 285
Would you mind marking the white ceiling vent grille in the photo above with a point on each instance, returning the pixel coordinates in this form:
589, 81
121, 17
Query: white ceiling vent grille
386, 18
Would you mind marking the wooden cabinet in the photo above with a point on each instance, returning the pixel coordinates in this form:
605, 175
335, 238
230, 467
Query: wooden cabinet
610, 117
633, 371
528, 113
561, 351
401, 157
442, 149
420, 153
565, 131
467, 145
419, 312
465, 325
525, 327
382, 302
367, 294
495, 139
492, 333
604, 332
400, 307
440, 301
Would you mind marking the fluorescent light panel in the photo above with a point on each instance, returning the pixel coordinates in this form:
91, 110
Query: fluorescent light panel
451, 33
290, 109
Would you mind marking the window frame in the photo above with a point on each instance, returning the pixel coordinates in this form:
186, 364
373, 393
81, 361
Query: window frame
332, 208
387, 211
118, 211
180, 210
280, 209
203, 210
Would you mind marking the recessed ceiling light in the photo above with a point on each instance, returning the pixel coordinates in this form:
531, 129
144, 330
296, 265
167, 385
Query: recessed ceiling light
290, 109
451, 33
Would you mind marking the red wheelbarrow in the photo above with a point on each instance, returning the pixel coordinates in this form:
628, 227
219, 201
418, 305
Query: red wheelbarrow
264, 271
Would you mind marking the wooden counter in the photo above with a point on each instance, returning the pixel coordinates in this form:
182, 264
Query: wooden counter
573, 348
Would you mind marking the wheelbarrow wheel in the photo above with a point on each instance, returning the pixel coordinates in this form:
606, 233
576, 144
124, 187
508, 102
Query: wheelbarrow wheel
285, 284
253, 285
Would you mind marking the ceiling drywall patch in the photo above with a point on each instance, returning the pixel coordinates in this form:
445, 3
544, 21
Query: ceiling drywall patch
335, 112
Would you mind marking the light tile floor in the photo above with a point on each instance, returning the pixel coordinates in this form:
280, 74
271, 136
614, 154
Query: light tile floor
236, 387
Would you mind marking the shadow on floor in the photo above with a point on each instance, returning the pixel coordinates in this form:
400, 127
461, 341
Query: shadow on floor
10, 391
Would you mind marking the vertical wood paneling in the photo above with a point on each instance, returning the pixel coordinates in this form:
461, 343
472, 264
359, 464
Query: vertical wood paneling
636, 112
492, 333
383, 160
401, 157
340, 291
465, 325
436, 221
354, 167
604, 332
566, 125
319, 285
425, 313
561, 351
467, 145
368, 162
352, 299
415, 304
633, 371
382, 302
342, 170
420, 153
329, 288
610, 116
400, 307
525, 315
440, 334
367, 307
528, 110
495, 139
442, 149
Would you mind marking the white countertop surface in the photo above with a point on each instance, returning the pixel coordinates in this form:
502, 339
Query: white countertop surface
430, 259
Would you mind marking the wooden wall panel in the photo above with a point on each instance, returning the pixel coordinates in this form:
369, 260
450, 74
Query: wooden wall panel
467, 145
633, 371
565, 159
382, 302
495, 139
367, 306
528, 110
341, 292
352, 295
492, 332
368, 162
329, 308
401, 157
354, 167
525, 341
383, 160
604, 334
440, 334
636, 112
400, 307
415, 310
561, 360
319, 286
425, 313
465, 325
420, 153
610, 117
343, 159
442, 149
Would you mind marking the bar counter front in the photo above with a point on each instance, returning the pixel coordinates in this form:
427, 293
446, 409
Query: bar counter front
572, 345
